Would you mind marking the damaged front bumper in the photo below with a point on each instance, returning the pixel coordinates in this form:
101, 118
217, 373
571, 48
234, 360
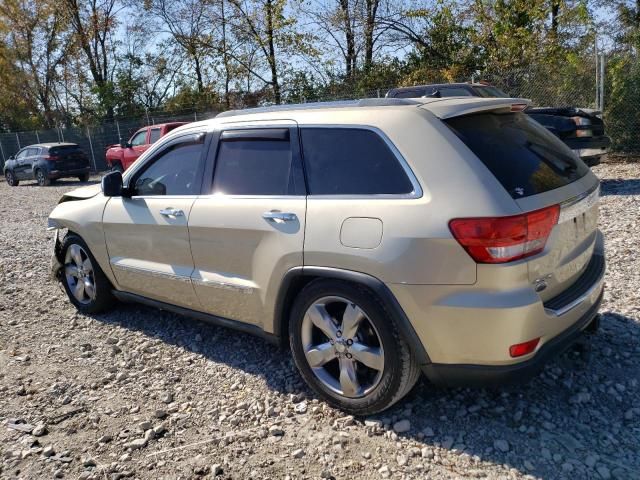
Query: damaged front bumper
56, 265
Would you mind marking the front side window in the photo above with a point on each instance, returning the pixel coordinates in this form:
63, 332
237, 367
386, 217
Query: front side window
174, 171
351, 161
154, 135
139, 138
22, 153
262, 164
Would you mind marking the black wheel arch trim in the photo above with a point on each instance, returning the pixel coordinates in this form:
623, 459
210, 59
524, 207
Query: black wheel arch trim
374, 284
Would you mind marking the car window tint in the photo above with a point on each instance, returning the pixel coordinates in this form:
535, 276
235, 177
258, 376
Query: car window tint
349, 161
490, 92
411, 93
454, 92
31, 152
254, 167
523, 155
21, 154
154, 135
174, 171
139, 138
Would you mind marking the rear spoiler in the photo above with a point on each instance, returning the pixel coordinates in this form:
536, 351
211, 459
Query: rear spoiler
459, 106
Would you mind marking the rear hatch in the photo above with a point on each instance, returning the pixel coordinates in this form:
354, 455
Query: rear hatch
69, 157
538, 170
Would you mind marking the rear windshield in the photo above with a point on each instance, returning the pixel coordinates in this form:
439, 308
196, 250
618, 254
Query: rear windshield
64, 150
524, 156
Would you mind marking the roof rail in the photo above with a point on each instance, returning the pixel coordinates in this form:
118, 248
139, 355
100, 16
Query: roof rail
365, 102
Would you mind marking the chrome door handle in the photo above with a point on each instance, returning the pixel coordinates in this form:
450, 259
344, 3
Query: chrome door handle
171, 212
279, 217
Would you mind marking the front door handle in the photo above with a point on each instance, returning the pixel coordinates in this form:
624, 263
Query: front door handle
171, 212
279, 217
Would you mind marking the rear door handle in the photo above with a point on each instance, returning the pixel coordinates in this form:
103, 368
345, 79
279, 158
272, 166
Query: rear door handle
171, 212
279, 217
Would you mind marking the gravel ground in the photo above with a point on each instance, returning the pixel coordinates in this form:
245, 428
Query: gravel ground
146, 394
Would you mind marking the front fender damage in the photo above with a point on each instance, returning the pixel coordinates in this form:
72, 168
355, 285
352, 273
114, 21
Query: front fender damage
56, 257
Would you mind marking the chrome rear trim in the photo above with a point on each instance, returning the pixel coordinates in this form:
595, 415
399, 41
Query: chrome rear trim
579, 204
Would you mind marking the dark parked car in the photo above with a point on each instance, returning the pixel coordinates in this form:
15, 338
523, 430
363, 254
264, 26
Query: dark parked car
45, 162
580, 129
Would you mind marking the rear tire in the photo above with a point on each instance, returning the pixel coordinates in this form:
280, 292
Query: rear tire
12, 181
42, 179
84, 177
82, 278
348, 349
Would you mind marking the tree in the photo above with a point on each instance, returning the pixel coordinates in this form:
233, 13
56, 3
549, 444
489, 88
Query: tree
38, 39
94, 23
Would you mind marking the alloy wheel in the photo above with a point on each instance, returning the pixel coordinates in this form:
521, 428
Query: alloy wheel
342, 346
40, 178
79, 274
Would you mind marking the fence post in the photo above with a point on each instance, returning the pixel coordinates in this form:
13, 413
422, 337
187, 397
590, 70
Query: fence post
37, 137
602, 60
4, 160
61, 133
118, 128
18, 139
93, 157
195, 116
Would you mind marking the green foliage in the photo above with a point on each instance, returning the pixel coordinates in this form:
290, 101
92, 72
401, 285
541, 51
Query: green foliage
622, 104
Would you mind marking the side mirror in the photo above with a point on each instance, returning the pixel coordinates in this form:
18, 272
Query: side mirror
125, 145
12, 157
112, 184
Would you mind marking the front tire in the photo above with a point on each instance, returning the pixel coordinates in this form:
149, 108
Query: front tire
12, 181
348, 348
84, 177
82, 278
42, 178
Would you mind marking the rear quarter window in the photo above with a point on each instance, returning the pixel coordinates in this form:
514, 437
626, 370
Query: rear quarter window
523, 155
351, 161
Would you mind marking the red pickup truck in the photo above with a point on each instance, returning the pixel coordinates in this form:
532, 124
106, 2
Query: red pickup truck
120, 157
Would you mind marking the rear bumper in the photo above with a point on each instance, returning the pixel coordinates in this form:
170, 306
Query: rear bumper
467, 331
488, 375
53, 174
589, 149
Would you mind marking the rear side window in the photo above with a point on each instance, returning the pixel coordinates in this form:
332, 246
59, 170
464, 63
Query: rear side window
454, 92
154, 135
524, 156
411, 93
350, 161
252, 163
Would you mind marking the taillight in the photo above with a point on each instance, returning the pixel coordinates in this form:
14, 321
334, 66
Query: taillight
518, 107
504, 239
581, 122
525, 348
52, 158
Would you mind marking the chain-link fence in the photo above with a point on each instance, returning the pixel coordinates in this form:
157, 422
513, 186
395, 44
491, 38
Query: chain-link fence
576, 86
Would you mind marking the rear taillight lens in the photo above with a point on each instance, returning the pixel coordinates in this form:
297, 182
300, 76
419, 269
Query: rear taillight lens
52, 158
520, 349
581, 123
504, 239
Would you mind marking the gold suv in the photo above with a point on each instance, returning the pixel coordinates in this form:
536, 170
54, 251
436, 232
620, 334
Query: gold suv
377, 238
